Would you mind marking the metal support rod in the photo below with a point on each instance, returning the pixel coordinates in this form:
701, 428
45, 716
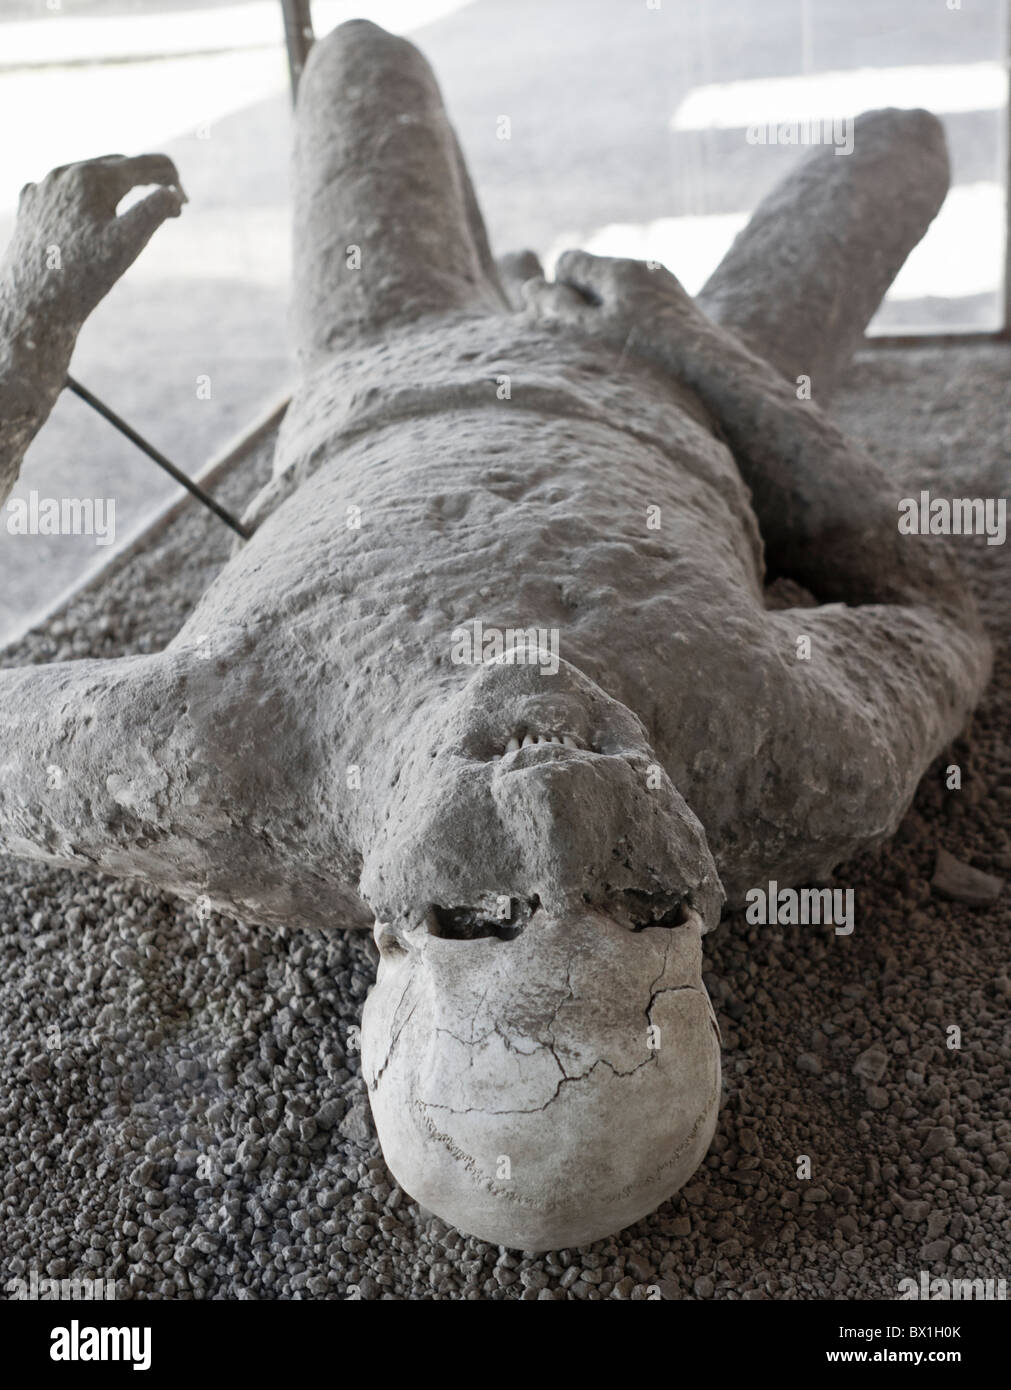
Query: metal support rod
159, 458
298, 36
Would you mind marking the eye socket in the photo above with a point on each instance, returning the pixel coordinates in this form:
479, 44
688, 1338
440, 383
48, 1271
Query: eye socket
389, 942
654, 910
473, 923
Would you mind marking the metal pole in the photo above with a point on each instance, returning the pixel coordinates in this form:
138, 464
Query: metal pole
298, 36
159, 458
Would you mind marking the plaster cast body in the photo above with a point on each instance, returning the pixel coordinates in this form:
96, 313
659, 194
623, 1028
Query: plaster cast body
306, 750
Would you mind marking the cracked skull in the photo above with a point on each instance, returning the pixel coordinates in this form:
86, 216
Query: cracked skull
541, 1055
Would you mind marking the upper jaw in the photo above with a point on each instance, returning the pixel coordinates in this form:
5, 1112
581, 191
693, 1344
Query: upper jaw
528, 737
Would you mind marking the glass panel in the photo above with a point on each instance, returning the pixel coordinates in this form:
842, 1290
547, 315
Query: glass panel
627, 133
191, 345
630, 125
191, 342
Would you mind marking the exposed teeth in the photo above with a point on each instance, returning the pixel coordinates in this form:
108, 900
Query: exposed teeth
531, 740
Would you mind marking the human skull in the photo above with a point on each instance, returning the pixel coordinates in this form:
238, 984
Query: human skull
541, 1054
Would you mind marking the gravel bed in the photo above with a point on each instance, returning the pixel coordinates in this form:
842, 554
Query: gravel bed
181, 1106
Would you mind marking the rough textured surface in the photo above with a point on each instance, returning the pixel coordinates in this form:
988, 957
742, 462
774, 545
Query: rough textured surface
306, 744
470, 1056
68, 250
805, 277
371, 123
190, 1118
